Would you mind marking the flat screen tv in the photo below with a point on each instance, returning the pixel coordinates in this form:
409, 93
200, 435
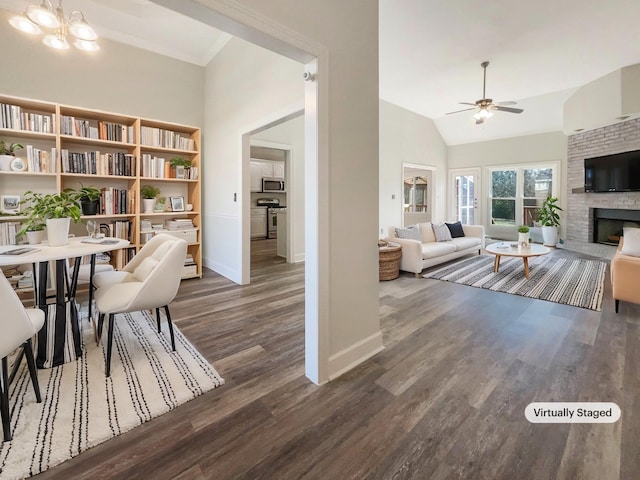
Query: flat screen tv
613, 173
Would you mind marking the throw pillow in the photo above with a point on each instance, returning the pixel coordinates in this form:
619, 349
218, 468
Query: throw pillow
412, 232
441, 232
455, 229
631, 242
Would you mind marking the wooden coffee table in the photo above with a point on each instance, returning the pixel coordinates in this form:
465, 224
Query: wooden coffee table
503, 249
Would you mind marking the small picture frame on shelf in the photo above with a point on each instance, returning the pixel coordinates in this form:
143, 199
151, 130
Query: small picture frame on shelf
180, 172
177, 204
10, 203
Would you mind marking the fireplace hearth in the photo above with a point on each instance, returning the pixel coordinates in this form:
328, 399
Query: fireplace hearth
609, 222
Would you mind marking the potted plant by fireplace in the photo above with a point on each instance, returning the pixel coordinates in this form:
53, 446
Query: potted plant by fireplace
550, 221
57, 210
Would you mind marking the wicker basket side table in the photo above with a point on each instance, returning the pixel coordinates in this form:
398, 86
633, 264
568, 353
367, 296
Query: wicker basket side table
389, 255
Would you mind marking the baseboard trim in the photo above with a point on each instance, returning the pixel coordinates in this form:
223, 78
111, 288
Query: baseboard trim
298, 258
223, 270
351, 357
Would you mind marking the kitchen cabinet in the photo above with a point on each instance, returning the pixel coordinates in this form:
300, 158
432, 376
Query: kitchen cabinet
258, 222
256, 176
264, 169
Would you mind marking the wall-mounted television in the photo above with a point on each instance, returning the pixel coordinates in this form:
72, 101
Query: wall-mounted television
613, 173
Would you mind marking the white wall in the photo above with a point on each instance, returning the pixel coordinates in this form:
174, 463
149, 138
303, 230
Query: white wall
408, 137
544, 147
346, 280
118, 78
292, 133
244, 84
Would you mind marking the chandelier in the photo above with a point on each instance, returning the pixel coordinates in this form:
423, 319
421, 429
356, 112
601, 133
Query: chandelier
38, 19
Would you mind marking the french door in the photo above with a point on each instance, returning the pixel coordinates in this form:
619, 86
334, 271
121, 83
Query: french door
465, 194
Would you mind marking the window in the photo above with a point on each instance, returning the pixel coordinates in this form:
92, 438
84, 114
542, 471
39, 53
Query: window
415, 194
517, 193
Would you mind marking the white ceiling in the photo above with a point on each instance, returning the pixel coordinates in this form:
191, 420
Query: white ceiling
431, 50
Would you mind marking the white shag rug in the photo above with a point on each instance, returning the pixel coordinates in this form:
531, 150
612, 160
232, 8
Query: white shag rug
81, 407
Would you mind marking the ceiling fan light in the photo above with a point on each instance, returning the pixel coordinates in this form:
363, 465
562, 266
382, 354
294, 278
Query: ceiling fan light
86, 45
25, 25
483, 114
43, 16
55, 41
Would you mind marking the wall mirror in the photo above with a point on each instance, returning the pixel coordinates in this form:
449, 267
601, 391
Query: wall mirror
417, 193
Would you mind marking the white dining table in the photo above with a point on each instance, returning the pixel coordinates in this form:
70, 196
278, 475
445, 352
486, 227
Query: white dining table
59, 340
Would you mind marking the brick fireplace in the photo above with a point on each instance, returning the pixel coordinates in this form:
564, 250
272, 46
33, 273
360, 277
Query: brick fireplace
580, 213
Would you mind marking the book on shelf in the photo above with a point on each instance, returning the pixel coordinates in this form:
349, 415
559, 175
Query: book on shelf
159, 137
117, 229
8, 232
41, 161
96, 163
97, 129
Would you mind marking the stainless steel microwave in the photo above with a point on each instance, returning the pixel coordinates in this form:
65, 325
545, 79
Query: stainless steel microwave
272, 185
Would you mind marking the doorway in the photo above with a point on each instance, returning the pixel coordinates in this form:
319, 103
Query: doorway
417, 193
465, 192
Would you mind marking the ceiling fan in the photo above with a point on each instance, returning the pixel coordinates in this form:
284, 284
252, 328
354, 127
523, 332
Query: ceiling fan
486, 105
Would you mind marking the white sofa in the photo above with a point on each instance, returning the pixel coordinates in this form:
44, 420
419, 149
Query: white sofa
417, 255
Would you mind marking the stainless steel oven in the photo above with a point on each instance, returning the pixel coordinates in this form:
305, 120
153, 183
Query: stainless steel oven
272, 185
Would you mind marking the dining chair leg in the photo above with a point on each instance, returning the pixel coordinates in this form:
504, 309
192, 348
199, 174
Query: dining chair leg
4, 401
31, 363
100, 324
158, 319
33, 373
109, 344
173, 340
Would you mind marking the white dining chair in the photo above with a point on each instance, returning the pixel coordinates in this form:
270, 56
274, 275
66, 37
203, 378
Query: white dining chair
149, 281
17, 326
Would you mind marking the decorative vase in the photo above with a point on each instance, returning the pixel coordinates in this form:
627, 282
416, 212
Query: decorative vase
34, 237
549, 236
149, 204
58, 231
5, 162
523, 239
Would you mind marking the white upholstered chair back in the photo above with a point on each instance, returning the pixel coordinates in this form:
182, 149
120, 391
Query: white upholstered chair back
16, 325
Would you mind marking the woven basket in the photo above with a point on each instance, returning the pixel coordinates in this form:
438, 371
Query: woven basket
390, 262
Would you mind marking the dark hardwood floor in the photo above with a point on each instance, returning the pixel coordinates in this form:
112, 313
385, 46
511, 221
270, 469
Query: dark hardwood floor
444, 400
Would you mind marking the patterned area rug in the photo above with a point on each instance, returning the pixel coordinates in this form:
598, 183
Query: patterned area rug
81, 407
575, 282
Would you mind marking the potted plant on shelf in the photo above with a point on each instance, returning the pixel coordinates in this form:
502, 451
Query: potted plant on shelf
179, 166
89, 198
7, 154
149, 194
523, 235
550, 221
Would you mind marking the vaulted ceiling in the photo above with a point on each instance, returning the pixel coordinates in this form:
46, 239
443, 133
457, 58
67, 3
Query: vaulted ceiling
430, 52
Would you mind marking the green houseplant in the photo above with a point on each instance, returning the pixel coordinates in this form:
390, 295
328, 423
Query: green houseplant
7, 154
549, 220
56, 210
89, 198
523, 235
149, 194
178, 166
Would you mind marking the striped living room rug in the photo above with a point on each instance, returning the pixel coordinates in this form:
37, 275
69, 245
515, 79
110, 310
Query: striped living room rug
81, 407
575, 282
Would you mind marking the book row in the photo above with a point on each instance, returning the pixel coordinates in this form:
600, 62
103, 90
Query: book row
14, 117
116, 201
158, 137
97, 129
96, 163
41, 161
8, 232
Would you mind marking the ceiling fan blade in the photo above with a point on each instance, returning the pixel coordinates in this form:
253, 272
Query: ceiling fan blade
508, 109
467, 103
458, 111
510, 102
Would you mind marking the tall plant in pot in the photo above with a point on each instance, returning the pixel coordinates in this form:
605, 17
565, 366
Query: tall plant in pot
7, 154
149, 194
57, 210
549, 221
32, 227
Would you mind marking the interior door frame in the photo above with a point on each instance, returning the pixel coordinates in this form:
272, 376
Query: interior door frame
477, 190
